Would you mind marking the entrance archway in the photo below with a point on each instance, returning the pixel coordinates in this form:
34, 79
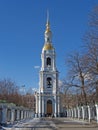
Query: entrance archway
49, 107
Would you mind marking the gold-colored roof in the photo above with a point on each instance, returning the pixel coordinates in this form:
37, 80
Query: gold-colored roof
48, 46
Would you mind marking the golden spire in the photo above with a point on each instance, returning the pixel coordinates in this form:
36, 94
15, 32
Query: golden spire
47, 24
48, 35
47, 17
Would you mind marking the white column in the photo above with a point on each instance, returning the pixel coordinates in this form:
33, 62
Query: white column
96, 112
4, 115
72, 114
83, 113
55, 108
25, 114
36, 103
58, 106
75, 113
43, 112
89, 113
39, 105
78, 112
67, 112
21, 114
12, 115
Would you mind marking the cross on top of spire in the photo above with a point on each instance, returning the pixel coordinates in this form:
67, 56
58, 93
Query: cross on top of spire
47, 17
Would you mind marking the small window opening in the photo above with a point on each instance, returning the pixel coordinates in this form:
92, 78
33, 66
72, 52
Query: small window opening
48, 61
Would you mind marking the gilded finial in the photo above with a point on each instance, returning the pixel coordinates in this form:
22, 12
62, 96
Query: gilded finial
47, 24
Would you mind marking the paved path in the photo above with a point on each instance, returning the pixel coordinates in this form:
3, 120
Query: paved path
69, 124
52, 124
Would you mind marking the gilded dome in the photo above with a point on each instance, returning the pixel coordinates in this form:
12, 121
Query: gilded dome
48, 46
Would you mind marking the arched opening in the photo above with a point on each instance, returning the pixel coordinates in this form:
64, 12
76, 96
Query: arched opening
49, 107
48, 61
49, 82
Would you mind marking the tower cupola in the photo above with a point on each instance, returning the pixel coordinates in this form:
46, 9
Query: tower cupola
48, 36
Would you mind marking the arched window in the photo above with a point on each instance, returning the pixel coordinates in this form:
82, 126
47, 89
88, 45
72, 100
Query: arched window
49, 82
48, 61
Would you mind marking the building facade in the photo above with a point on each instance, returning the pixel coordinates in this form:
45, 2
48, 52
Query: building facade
48, 99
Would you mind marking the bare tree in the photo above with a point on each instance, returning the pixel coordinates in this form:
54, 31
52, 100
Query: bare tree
9, 91
81, 85
78, 76
91, 45
7, 87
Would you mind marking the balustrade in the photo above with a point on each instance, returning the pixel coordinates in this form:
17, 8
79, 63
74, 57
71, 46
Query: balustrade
9, 113
89, 112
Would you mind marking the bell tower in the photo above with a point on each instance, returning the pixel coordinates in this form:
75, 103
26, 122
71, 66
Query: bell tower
48, 100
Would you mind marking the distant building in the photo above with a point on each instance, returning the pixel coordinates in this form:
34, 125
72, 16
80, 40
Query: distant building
48, 99
29, 101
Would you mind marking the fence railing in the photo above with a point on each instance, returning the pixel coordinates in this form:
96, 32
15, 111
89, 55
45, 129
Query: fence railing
10, 113
89, 112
